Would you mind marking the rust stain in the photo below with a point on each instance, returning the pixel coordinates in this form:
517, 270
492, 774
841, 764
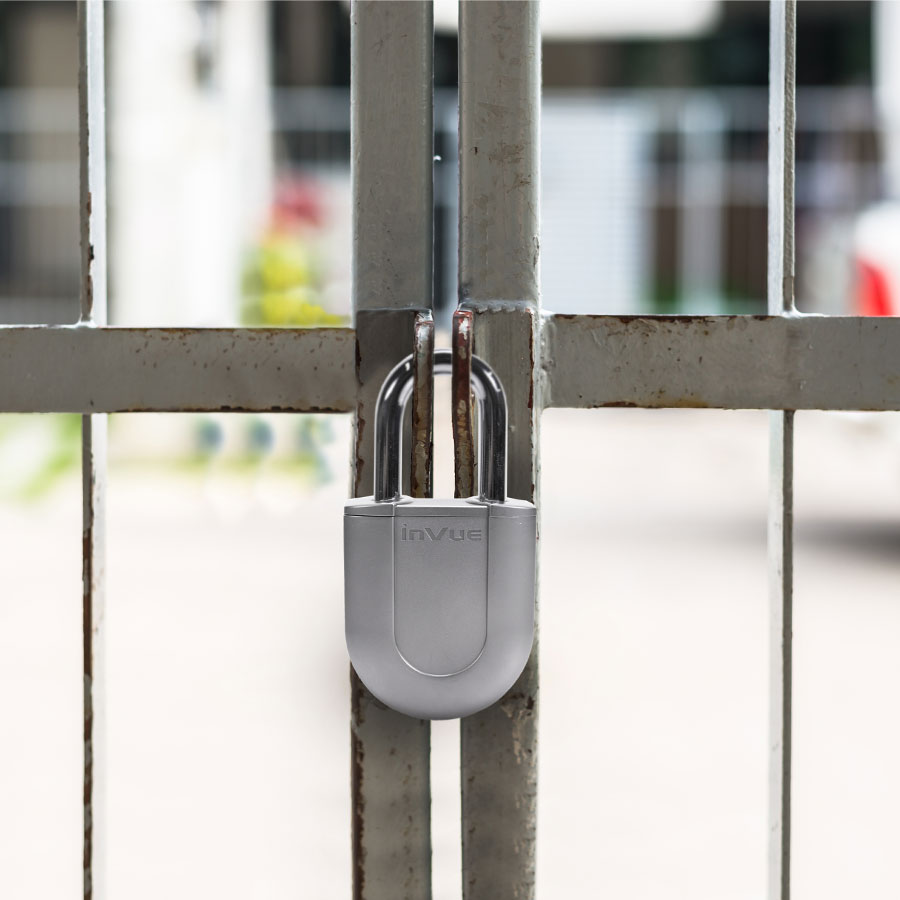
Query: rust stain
422, 407
531, 371
357, 775
87, 612
519, 708
463, 419
360, 424
657, 400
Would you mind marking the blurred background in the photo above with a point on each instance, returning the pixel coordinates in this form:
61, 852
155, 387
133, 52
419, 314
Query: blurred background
228, 697
229, 146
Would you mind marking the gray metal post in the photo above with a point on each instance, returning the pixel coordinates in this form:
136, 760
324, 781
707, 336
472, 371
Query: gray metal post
392, 162
499, 151
782, 114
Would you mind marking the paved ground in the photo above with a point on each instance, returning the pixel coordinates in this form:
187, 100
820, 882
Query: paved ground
227, 728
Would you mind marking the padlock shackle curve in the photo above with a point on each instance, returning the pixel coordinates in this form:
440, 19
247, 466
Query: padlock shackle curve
392, 400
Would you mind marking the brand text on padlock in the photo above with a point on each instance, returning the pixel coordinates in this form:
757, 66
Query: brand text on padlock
427, 534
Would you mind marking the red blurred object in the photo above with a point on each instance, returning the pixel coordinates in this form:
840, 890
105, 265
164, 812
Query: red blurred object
873, 295
298, 203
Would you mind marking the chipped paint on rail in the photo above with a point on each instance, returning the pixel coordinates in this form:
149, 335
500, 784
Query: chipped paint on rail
785, 362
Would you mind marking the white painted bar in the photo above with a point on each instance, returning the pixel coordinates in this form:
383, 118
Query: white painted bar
92, 201
782, 117
85, 369
722, 362
719, 362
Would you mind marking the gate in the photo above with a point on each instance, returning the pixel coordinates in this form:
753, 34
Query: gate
783, 362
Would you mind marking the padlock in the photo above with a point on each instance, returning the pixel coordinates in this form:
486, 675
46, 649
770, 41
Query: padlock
439, 593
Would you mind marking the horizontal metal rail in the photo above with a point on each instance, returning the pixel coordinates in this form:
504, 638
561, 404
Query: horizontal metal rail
719, 362
722, 362
83, 369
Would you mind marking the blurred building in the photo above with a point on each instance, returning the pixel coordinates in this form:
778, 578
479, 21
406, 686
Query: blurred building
190, 148
39, 258
229, 143
654, 146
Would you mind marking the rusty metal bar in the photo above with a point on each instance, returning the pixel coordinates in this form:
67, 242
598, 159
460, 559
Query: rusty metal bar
422, 408
92, 204
499, 149
391, 164
723, 362
872, 367
86, 369
461, 400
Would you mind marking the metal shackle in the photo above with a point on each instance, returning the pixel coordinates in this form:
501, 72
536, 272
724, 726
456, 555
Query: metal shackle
392, 400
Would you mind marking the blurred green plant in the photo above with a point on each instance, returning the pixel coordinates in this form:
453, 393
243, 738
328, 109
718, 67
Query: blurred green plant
282, 284
36, 452
313, 433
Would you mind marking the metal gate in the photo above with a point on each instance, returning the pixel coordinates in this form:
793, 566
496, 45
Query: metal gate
783, 362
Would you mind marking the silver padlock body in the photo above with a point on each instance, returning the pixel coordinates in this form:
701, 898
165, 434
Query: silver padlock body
439, 600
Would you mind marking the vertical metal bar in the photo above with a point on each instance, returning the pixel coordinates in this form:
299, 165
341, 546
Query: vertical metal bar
499, 153
422, 409
782, 44
461, 400
392, 163
92, 157
392, 152
499, 150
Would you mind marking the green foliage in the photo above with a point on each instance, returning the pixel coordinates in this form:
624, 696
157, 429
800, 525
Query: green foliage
282, 285
36, 452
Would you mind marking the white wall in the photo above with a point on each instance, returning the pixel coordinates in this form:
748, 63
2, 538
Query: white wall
190, 158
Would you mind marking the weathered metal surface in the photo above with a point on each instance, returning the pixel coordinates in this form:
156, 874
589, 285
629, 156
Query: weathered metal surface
92, 160
391, 165
392, 141
872, 368
461, 400
86, 369
781, 572
93, 566
725, 362
499, 150
422, 408
391, 790
506, 337
92, 214
499, 156
391, 800
782, 118
499, 744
